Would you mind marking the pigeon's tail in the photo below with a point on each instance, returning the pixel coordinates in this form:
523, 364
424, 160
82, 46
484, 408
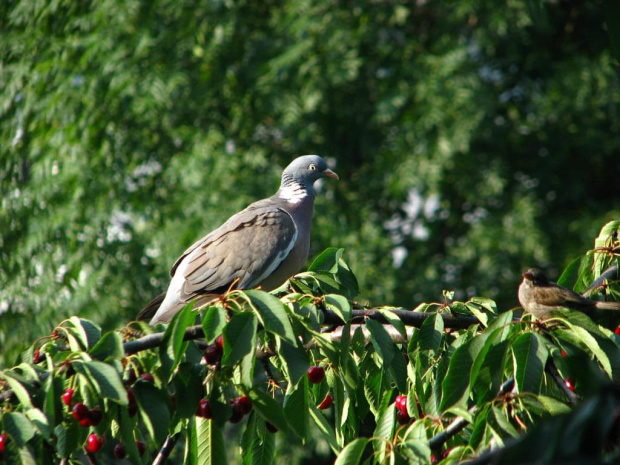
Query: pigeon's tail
608, 305
151, 308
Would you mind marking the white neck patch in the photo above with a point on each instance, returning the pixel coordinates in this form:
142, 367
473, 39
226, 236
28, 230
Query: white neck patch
293, 193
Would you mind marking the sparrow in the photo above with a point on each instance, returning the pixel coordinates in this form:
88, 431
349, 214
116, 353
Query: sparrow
541, 297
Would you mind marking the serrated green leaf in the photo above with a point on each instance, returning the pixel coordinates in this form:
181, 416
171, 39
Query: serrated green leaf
295, 360
109, 346
590, 342
18, 427
326, 260
339, 305
173, 345
269, 409
352, 453
126, 430
39, 420
385, 424
211, 448
104, 378
530, 356
213, 322
431, 333
272, 314
381, 341
188, 389
327, 432
296, 408
153, 409
239, 338
18, 388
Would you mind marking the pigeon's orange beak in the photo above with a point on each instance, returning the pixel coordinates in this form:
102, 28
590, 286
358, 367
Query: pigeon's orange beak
330, 174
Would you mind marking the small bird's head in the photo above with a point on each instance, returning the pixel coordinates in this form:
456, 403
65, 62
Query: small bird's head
536, 277
306, 170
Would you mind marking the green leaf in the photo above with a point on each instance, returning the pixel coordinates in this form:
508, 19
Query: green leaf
66, 438
530, 356
84, 331
352, 453
570, 274
385, 424
18, 388
104, 378
38, 419
126, 429
109, 346
269, 409
213, 322
272, 314
326, 260
188, 389
381, 341
395, 321
296, 408
339, 305
211, 448
431, 333
18, 427
173, 346
295, 360
325, 428
239, 338
153, 408
590, 342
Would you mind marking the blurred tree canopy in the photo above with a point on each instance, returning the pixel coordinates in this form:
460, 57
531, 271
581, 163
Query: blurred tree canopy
472, 139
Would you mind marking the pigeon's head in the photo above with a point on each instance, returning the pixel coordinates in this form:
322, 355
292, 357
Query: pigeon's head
306, 170
536, 277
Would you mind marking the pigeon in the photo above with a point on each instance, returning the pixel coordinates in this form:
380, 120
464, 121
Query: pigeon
541, 298
262, 245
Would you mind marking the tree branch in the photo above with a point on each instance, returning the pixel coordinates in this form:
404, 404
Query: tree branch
165, 450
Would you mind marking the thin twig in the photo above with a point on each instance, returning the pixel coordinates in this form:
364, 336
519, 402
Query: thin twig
459, 423
165, 450
561, 382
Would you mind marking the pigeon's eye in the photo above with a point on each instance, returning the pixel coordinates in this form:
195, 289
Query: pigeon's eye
312, 167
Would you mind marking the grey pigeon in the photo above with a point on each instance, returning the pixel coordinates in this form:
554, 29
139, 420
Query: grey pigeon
263, 245
541, 297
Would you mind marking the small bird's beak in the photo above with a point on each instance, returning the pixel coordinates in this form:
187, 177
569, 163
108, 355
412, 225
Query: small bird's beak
528, 275
330, 174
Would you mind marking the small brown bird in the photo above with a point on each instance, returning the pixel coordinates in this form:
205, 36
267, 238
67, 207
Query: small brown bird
540, 297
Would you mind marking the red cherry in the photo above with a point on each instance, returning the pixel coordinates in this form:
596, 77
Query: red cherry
246, 404
401, 404
327, 402
569, 384
86, 422
95, 416
433, 459
316, 374
67, 397
147, 377
563, 353
445, 453
617, 331
220, 341
119, 451
204, 409
420, 412
3, 440
141, 448
237, 413
94, 443
213, 354
80, 411
132, 405
36, 356
271, 428
402, 418
130, 378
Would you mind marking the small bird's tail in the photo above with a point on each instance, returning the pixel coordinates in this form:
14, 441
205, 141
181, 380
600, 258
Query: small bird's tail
151, 308
608, 305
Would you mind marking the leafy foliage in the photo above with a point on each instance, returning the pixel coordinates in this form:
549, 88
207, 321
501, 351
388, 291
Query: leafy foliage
399, 393
473, 141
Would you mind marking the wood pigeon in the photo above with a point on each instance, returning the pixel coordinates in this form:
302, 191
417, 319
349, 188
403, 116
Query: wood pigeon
263, 245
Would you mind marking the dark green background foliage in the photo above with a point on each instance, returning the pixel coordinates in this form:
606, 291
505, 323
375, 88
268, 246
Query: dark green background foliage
478, 137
